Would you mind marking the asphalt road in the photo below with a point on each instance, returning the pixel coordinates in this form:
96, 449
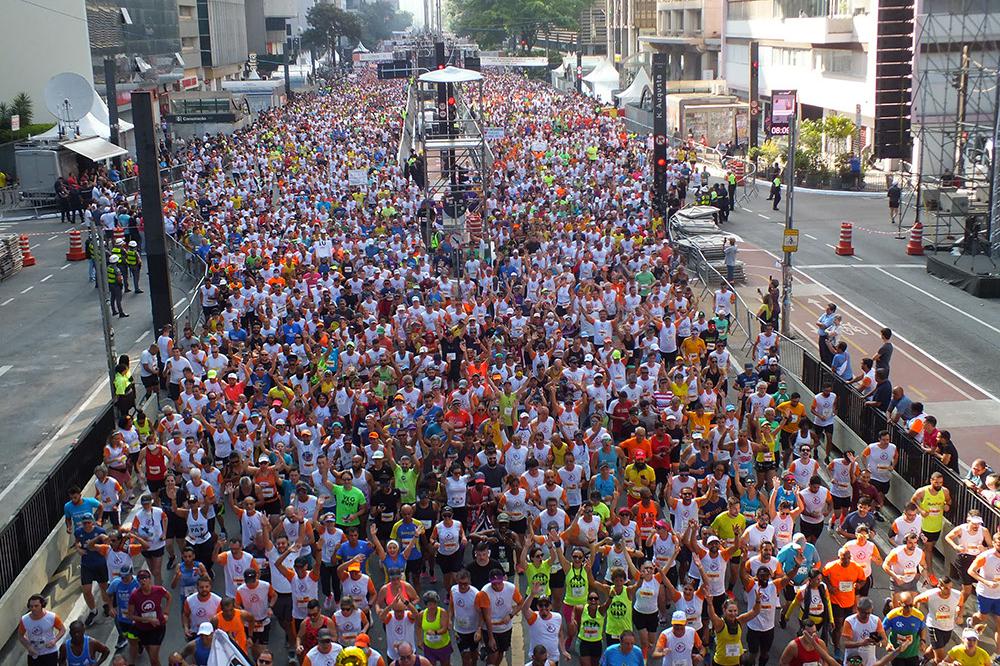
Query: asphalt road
945, 339
53, 368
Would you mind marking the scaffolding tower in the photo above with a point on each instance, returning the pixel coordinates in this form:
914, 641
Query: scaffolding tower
956, 65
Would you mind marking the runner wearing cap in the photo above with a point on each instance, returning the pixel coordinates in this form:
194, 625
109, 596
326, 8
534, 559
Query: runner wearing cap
969, 540
969, 652
199, 649
986, 570
679, 644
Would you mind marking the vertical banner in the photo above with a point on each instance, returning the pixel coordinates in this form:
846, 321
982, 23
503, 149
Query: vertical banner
659, 81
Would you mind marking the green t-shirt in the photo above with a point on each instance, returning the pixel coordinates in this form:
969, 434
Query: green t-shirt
539, 574
348, 502
602, 510
121, 384
619, 615
406, 482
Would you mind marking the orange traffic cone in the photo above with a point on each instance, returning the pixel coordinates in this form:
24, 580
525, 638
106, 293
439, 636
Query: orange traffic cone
27, 259
915, 246
76, 252
844, 247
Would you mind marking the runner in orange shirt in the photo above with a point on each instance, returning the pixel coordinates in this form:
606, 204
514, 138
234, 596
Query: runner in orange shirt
844, 577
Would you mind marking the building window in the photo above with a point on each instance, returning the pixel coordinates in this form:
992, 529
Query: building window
186, 12
791, 57
841, 62
189, 42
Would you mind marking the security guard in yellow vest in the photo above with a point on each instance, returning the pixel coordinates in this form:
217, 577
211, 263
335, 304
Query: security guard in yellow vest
119, 251
776, 191
116, 282
134, 262
731, 181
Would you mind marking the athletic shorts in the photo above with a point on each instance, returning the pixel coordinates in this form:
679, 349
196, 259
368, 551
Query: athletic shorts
502, 640
841, 502
988, 606
51, 659
154, 553
557, 579
821, 429
283, 607
126, 631
94, 574
906, 661
661, 476
592, 649
939, 638
883, 487
762, 467
151, 636
414, 567
156, 485
450, 563
519, 526
438, 655
263, 636
466, 642
909, 586
811, 529
150, 381
932, 537
648, 621
961, 566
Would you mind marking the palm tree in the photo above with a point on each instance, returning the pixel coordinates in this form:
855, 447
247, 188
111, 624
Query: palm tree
4, 115
24, 107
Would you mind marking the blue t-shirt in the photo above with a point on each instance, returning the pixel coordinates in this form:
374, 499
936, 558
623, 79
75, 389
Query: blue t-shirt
75, 512
613, 656
347, 551
798, 572
120, 591
90, 558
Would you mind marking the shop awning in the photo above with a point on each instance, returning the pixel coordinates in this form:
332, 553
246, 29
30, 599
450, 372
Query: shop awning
95, 148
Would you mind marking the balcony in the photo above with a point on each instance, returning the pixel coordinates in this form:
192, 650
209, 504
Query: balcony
280, 8
815, 22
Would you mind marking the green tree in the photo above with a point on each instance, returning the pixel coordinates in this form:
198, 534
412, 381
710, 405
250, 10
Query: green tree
491, 22
5, 115
838, 129
811, 136
24, 107
379, 20
327, 25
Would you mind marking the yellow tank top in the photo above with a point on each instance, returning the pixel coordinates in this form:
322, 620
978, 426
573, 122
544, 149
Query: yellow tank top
434, 637
728, 646
934, 506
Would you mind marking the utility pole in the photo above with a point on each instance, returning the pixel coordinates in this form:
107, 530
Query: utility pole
103, 295
288, 78
786, 267
111, 92
158, 267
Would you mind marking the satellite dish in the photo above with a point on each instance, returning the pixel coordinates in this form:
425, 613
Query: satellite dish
68, 96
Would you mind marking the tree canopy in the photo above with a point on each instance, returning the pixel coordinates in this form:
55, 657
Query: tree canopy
327, 24
490, 23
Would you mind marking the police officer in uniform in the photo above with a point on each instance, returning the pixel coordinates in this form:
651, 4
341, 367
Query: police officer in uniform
134, 262
116, 282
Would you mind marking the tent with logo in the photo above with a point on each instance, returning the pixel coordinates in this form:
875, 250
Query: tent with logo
603, 81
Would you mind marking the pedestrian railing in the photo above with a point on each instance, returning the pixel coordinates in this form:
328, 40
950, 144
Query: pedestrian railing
31, 524
188, 269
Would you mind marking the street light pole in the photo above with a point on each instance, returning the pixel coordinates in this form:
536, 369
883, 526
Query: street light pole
100, 259
786, 268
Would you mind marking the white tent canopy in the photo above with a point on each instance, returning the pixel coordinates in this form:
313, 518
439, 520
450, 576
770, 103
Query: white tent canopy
633, 94
451, 75
360, 48
95, 148
603, 81
603, 73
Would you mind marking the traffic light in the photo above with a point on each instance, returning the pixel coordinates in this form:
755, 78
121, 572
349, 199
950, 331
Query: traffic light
661, 162
451, 101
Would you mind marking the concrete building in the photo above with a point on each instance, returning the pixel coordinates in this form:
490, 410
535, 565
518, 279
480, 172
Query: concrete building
269, 24
627, 20
690, 33
825, 49
27, 68
222, 34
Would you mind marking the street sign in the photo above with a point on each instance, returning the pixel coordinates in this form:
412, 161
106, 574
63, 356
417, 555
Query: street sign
790, 240
15, 122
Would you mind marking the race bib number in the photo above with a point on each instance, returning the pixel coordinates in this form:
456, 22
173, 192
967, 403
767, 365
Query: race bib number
734, 649
846, 586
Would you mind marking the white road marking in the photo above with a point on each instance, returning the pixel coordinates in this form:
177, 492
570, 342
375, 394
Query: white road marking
101, 386
6, 302
53, 237
4, 369
47, 277
856, 257
916, 347
65, 267
815, 266
944, 303
746, 209
810, 237
139, 339
180, 302
763, 216
832, 247
25, 291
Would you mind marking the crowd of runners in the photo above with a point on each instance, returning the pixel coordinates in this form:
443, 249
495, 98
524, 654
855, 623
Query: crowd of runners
369, 452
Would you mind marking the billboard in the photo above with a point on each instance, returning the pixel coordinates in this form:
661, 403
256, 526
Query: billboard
782, 112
